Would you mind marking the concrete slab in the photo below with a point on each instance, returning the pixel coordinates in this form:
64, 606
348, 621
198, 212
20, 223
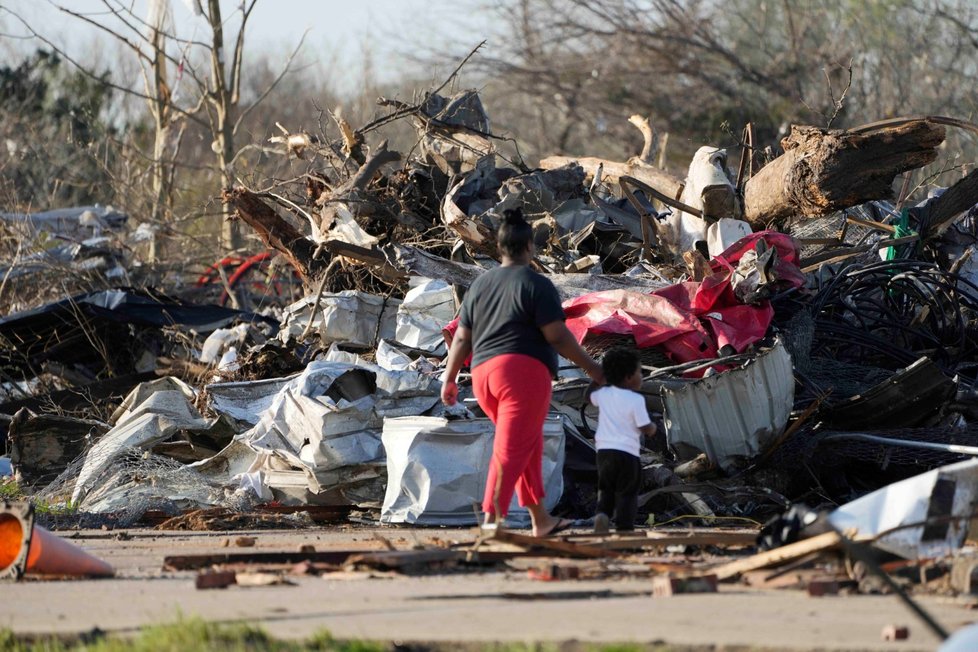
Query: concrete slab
483, 606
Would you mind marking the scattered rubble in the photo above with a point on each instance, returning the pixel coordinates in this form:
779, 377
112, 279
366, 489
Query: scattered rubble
804, 341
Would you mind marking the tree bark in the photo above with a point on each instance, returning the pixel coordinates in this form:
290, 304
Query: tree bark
822, 171
224, 102
276, 233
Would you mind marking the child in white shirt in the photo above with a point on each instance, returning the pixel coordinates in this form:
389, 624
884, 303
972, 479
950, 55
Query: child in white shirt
622, 420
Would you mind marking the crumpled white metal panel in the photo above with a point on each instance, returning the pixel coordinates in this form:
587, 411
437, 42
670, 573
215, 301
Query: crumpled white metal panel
436, 469
923, 517
734, 415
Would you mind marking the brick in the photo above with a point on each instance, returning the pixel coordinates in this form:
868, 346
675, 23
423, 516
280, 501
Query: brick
667, 585
215, 580
554, 572
818, 588
895, 633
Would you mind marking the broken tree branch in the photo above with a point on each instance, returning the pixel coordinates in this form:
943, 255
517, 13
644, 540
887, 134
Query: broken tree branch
276, 233
377, 159
648, 133
612, 171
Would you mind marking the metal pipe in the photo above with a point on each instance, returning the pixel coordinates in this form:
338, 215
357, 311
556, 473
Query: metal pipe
923, 445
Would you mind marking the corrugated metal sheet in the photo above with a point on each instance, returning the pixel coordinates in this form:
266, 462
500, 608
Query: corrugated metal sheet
732, 416
436, 469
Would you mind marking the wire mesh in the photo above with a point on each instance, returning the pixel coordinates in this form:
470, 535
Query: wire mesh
598, 345
137, 482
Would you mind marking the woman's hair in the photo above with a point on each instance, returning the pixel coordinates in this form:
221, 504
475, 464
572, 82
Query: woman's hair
618, 364
515, 233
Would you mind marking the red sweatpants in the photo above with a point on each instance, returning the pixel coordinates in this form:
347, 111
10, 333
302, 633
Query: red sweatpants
514, 392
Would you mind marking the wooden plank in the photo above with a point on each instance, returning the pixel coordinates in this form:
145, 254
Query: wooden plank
809, 242
769, 558
656, 539
564, 548
196, 562
405, 558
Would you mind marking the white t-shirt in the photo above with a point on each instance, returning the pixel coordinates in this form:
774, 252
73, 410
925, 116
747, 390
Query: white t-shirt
621, 413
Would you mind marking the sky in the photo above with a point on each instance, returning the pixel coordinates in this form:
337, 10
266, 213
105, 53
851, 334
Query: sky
338, 30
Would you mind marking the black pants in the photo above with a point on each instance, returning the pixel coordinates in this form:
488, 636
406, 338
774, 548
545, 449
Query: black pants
619, 476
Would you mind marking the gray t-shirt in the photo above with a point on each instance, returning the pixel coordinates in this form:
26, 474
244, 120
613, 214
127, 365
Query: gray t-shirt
505, 308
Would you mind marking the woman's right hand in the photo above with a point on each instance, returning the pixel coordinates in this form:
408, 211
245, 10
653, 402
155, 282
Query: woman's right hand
596, 373
449, 392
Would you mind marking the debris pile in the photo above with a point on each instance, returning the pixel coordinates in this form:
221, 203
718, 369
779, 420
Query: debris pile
805, 336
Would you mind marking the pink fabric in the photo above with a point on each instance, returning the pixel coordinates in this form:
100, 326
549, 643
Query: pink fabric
514, 392
691, 320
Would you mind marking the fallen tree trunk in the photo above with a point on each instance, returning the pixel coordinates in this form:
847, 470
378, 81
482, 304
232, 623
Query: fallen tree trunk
822, 171
634, 167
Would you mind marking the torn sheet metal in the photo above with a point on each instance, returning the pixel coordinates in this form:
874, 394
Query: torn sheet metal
151, 413
244, 401
325, 423
610, 242
436, 469
76, 223
358, 485
310, 419
623, 214
938, 505
391, 358
731, 416
452, 138
427, 307
41, 446
574, 215
545, 192
909, 398
393, 382
349, 317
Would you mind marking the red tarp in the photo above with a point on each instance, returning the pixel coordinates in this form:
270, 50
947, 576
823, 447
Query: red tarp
692, 320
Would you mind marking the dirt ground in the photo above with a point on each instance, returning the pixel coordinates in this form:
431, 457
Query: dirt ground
490, 606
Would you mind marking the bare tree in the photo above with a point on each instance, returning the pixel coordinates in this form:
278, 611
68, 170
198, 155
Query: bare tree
576, 69
205, 90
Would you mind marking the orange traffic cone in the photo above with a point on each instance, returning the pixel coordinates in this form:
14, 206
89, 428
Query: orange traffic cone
29, 548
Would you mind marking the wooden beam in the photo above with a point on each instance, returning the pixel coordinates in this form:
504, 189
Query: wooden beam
790, 552
554, 545
405, 558
655, 539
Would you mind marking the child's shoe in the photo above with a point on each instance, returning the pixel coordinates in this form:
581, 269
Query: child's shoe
601, 523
